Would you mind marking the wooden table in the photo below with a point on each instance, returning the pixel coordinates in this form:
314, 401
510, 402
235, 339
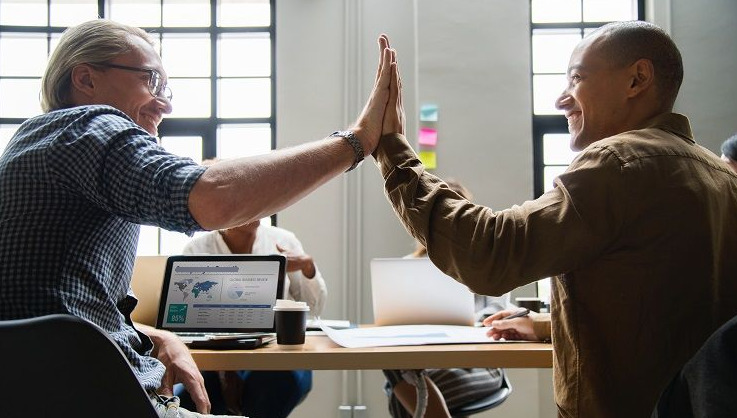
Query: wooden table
321, 353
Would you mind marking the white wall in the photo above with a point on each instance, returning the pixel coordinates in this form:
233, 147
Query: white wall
471, 58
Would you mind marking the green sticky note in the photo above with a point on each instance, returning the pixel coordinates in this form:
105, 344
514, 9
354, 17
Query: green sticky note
429, 159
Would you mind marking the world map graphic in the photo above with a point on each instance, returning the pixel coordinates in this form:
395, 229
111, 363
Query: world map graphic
198, 289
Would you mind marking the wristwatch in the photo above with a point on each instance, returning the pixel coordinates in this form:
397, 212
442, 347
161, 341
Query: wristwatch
350, 136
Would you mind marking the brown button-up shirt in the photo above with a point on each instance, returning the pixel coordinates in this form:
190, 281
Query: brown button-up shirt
641, 234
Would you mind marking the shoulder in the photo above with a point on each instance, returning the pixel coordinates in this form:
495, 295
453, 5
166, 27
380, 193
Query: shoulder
277, 233
202, 243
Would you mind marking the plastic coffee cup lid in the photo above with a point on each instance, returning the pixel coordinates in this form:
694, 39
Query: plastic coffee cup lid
290, 305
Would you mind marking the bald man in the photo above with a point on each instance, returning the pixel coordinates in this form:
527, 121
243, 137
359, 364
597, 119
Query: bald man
640, 232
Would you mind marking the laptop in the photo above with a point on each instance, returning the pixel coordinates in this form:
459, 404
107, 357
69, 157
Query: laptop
221, 297
411, 291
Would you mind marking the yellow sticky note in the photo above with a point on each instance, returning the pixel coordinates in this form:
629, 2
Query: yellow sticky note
429, 159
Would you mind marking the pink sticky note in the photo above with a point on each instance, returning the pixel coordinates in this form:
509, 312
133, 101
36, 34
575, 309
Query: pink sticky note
428, 137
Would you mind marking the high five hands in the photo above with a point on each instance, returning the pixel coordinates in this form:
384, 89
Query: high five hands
383, 113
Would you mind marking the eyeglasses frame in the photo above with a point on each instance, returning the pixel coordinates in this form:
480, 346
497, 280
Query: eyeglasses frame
164, 91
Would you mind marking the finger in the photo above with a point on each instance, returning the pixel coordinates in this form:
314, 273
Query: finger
199, 395
383, 45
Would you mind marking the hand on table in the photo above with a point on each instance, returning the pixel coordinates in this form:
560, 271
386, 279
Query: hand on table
510, 329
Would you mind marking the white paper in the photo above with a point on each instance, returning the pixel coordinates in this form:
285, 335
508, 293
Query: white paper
407, 335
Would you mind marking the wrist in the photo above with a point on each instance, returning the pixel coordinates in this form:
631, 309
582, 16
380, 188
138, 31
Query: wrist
352, 140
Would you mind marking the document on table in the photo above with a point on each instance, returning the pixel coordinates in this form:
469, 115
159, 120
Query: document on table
407, 335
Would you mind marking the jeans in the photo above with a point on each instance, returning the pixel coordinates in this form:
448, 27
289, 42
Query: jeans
262, 394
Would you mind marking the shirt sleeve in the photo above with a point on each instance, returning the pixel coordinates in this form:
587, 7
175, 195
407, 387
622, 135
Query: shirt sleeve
120, 168
495, 252
312, 291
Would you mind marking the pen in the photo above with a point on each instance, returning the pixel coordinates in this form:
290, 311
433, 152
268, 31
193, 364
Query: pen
519, 314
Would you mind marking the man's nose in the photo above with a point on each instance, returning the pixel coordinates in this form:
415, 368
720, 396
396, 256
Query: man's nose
164, 104
563, 101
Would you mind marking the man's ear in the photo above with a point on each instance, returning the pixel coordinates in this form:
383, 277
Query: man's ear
642, 77
83, 79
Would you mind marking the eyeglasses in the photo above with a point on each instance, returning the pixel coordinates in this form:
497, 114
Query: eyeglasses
155, 84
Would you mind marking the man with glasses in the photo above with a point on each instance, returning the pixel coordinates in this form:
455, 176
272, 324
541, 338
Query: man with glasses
76, 182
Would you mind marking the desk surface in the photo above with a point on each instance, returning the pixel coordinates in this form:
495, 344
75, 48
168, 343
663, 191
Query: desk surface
321, 353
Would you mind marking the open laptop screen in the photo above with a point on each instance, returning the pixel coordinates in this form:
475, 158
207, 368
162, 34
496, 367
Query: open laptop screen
221, 293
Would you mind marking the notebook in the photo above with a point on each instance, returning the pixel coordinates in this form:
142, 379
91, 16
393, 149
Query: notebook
410, 291
220, 297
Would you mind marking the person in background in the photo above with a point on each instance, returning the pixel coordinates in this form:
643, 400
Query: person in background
262, 393
447, 389
77, 181
639, 233
729, 152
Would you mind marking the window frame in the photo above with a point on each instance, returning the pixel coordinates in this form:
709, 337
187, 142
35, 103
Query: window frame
205, 127
554, 124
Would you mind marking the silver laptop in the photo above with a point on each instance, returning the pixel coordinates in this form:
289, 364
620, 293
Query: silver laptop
408, 291
208, 297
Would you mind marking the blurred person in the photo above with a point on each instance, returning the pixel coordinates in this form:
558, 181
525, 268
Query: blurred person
729, 152
262, 393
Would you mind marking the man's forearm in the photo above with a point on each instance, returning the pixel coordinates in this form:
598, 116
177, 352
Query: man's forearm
234, 192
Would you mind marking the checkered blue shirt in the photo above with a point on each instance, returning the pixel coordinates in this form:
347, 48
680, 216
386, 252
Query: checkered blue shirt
74, 186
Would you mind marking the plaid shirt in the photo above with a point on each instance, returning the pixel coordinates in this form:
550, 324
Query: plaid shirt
74, 186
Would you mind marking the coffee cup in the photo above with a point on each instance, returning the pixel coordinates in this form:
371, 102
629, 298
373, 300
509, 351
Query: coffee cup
290, 318
533, 304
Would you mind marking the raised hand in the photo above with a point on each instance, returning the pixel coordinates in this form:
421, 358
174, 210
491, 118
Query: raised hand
394, 118
369, 126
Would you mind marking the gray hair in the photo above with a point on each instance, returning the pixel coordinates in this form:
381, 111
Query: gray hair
627, 42
95, 41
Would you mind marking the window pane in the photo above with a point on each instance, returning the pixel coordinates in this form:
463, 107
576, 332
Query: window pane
244, 98
244, 13
546, 89
557, 149
187, 13
23, 12
72, 12
551, 49
191, 97
184, 146
550, 173
20, 98
244, 55
23, 54
609, 10
6, 132
243, 140
148, 241
186, 55
136, 12
546, 11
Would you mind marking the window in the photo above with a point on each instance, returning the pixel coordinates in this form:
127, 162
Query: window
219, 55
556, 28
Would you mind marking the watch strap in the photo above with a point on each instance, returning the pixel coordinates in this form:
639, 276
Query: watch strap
350, 136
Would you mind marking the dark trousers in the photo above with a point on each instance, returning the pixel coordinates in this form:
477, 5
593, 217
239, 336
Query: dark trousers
264, 393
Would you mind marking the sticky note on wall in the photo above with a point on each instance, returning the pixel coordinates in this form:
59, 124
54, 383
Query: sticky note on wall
428, 137
429, 159
429, 113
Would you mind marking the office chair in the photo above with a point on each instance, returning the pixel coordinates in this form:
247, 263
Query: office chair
63, 366
706, 385
481, 405
491, 401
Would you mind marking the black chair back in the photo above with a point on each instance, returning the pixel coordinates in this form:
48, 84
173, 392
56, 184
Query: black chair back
64, 366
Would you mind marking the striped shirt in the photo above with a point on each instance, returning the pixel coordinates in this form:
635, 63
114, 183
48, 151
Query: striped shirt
74, 186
